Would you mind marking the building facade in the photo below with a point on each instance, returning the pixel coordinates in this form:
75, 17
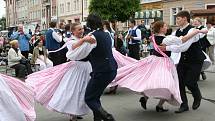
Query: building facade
22, 16
172, 7
10, 13
151, 9
34, 11
70, 11
46, 13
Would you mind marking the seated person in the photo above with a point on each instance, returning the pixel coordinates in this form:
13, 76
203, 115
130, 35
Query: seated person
17, 61
40, 56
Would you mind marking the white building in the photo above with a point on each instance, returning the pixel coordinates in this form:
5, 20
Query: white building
21, 11
72, 10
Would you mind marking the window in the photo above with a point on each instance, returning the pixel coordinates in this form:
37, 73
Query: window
43, 13
85, 4
61, 8
54, 11
173, 13
77, 4
68, 6
69, 21
77, 20
38, 14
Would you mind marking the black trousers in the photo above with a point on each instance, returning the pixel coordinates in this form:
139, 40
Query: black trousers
204, 44
188, 74
134, 50
21, 69
95, 88
58, 57
25, 54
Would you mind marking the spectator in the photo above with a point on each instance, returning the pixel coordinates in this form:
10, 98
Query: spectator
23, 39
67, 33
107, 28
53, 41
37, 29
2, 40
37, 35
17, 61
30, 32
146, 33
134, 38
40, 56
120, 44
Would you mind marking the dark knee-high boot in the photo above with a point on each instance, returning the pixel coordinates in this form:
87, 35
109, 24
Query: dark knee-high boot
97, 116
105, 115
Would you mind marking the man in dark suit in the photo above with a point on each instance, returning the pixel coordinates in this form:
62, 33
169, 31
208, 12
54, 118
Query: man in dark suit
190, 64
53, 42
104, 67
134, 39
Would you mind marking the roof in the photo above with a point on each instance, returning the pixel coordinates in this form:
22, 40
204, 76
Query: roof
203, 12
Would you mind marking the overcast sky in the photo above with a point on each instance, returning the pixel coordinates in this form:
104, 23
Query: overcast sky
2, 9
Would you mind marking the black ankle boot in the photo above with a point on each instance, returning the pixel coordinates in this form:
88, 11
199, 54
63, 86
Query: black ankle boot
97, 116
105, 115
143, 102
161, 109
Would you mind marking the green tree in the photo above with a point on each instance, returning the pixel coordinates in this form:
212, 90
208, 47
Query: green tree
120, 10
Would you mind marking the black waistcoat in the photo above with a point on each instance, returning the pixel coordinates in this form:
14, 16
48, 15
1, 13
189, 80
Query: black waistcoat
205, 37
159, 40
194, 54
101, 57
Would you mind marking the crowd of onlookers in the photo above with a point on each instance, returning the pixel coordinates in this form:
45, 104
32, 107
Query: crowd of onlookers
25, 49
20, 51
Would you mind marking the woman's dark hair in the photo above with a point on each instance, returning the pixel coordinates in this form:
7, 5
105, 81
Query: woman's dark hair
94, 22
37, 42
157, 26
37, 26
67, 27
169, 31
107, 24
132, 21
53, 24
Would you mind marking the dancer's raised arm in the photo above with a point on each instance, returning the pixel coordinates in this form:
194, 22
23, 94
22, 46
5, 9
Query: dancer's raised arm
186, 41
201, 33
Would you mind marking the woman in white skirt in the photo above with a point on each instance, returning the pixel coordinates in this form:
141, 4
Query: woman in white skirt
16, 100
62, 88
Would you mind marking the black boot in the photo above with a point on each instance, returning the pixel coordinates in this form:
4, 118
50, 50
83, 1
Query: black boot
105, 115
161, 109
97, 116
183, 108
143, 102
203, 75
196, 103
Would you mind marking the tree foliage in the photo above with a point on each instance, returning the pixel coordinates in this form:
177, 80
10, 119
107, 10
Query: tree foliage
120, 10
